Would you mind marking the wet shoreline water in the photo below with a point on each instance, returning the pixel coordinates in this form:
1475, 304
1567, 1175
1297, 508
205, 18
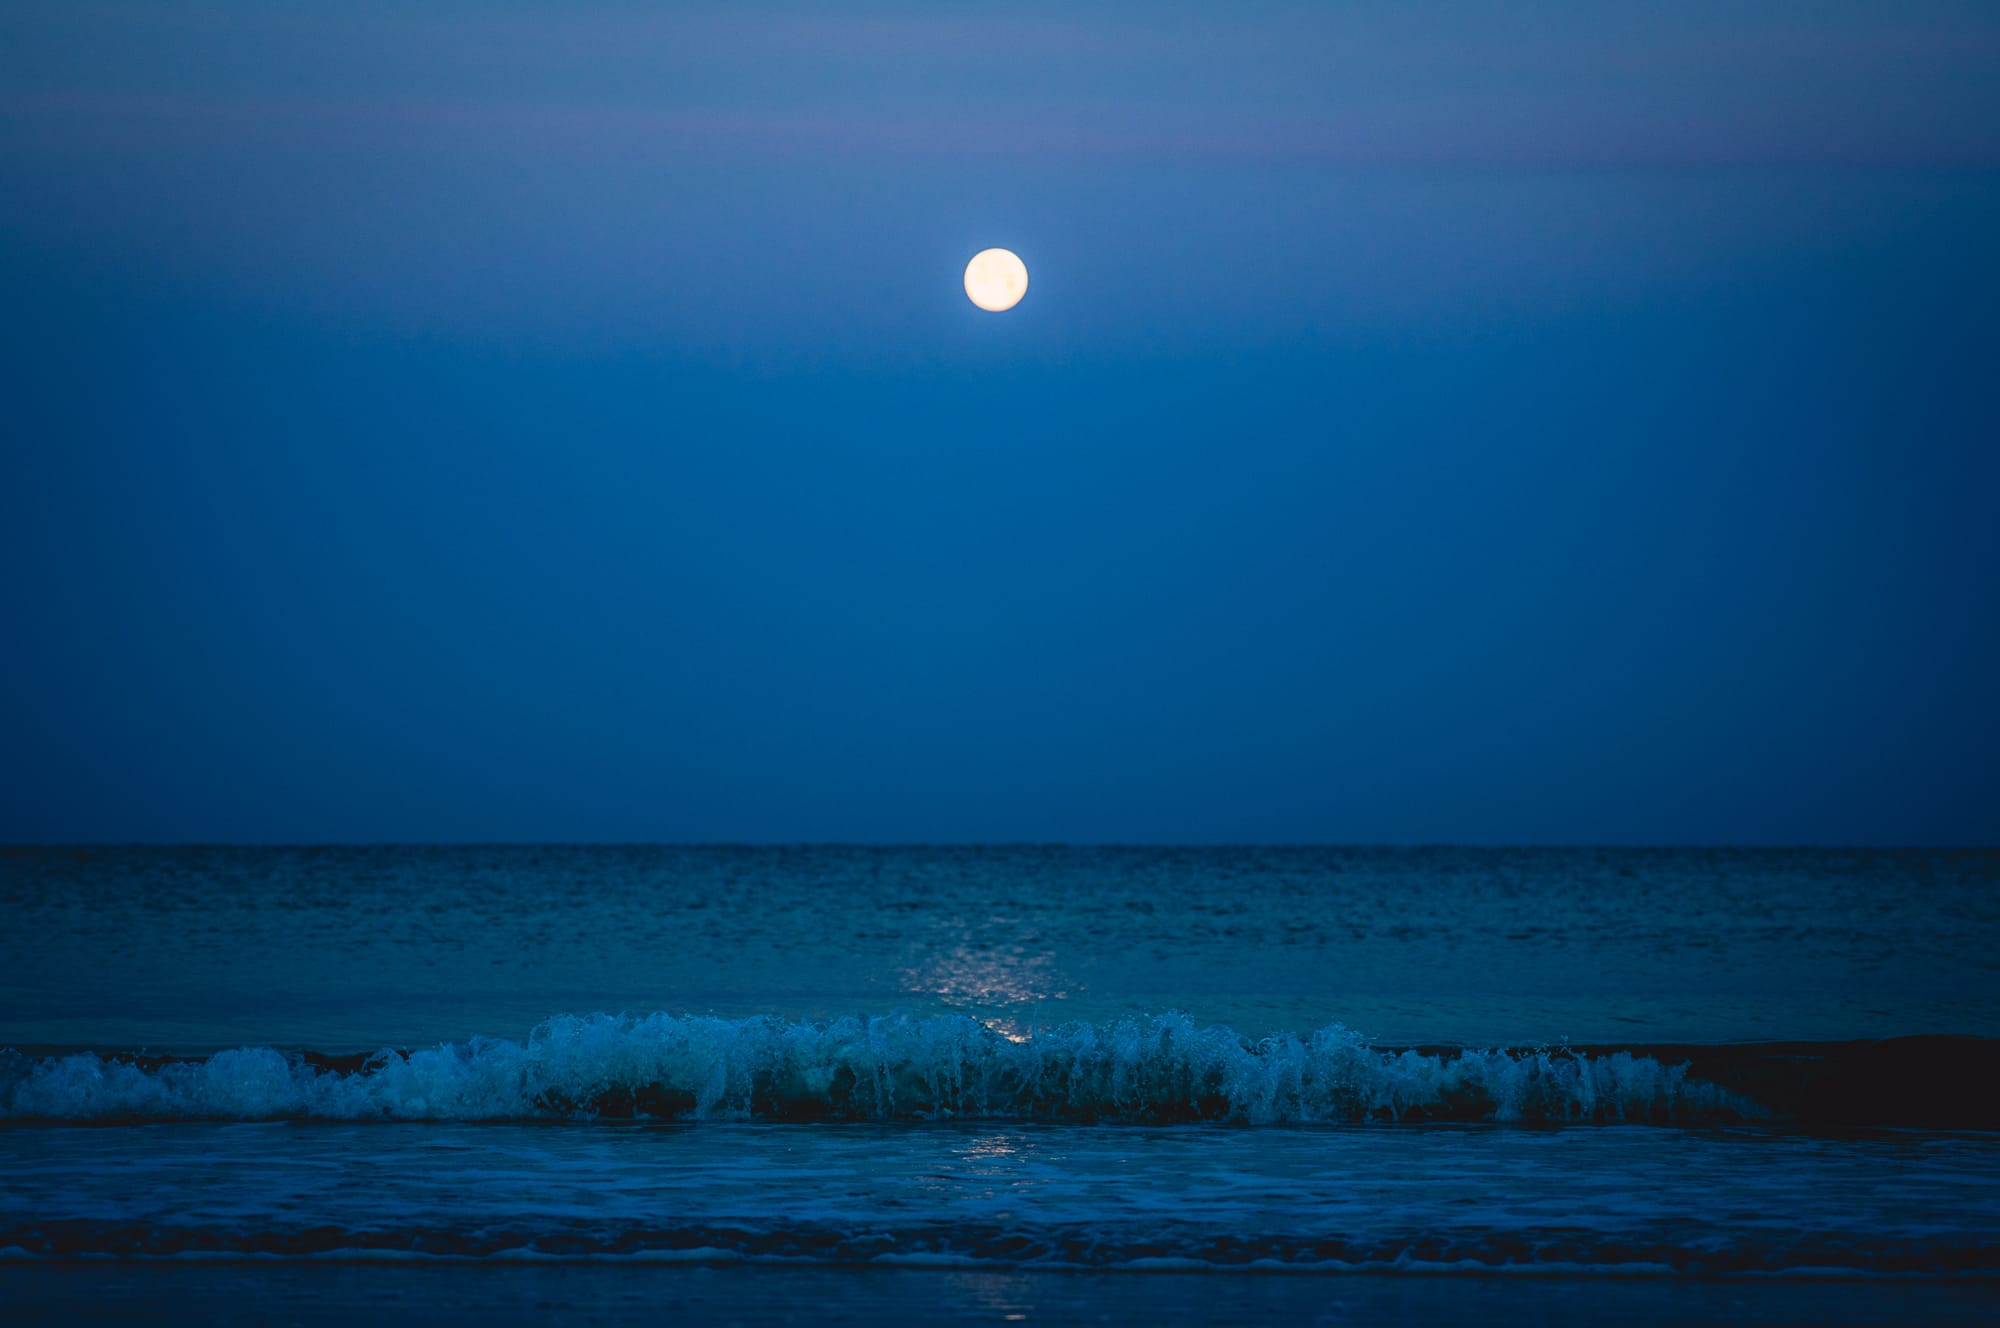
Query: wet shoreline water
449, 1295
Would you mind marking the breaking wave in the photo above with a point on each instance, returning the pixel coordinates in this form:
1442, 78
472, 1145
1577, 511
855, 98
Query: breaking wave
1156, 1069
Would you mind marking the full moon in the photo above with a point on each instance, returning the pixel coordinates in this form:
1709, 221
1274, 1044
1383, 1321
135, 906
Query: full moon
996, 279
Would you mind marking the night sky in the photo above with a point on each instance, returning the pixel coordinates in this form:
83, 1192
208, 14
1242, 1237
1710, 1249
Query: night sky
1493, 423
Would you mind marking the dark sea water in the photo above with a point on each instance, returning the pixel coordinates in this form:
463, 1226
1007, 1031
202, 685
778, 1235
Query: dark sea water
1606, 1081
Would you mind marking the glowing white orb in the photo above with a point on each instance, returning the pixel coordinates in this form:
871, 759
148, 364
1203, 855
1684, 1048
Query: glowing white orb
996, 279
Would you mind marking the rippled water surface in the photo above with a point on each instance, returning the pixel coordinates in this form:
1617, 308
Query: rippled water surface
355, 949
1011, 1063
1634, 1200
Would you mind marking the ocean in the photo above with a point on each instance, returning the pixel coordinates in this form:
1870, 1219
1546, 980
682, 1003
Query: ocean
996, 1085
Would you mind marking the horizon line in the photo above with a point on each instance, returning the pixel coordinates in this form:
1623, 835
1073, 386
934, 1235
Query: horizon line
12, 848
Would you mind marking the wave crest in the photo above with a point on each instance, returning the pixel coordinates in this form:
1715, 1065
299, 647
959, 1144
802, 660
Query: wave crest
1156, 1069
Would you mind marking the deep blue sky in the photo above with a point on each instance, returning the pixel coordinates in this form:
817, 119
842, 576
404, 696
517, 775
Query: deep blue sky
1446, 422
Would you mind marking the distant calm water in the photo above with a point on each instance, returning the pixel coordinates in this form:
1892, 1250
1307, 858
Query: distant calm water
1008, 1059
